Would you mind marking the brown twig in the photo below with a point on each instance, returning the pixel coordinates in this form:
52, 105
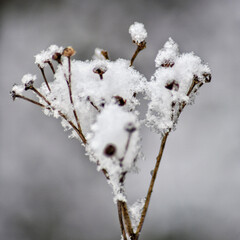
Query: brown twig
69, 84
29, 100
51, 66
127, 220
150, 189
119, 205
140, 47
44, 77
80, 134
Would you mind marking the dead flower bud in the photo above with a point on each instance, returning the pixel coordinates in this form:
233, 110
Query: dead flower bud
120, 101
130, 127
207, 77
167, 64
69, 51
105, 54
100, 70
57, 57
109, 150
28, 85
173, 85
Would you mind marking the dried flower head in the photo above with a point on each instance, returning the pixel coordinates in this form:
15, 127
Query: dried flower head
69, 52
109, 150
100, 70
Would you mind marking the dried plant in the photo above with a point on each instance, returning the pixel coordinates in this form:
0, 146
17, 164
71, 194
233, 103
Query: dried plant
96, 100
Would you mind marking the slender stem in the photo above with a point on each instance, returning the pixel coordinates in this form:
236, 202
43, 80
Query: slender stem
80, 134
44, 77
69, 83
51, 66
150, 189
29, 100
140, 47
119, 205
40, 95
127, 220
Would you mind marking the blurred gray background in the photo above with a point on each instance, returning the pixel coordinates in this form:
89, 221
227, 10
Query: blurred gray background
48, 188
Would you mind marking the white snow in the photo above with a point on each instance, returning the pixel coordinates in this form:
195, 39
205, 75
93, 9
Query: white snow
138, 32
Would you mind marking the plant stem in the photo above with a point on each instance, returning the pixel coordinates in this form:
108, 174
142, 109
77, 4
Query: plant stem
44, 77
119, 205
51, 66
69, 83
127, 220
150, 189
29, 100
140, 47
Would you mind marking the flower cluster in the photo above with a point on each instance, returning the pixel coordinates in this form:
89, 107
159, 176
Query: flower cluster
96, 100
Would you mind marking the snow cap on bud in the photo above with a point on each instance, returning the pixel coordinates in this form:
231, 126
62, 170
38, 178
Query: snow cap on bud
16, 90
138, 32
69, 52
28, 78
100, 70
167, 55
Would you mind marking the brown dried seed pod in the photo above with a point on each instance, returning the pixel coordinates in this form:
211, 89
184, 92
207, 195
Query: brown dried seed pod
167, 64
110, 150
57, 57
120, 101
69, 51
100, 70
173, 85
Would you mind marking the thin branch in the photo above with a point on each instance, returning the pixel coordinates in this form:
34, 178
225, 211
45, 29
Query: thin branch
69, 84
127, 220
119, 205
44, 77
80, 134
140, 47
29, 100
51, 66
150, 189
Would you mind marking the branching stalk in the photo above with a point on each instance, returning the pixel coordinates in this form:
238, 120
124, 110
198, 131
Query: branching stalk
150, 189
119, 205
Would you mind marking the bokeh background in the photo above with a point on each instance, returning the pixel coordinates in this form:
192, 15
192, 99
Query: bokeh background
48, 188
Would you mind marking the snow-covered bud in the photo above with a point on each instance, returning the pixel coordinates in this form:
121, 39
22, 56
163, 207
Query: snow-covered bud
100, 70
120, 101
57, 57
173, 85
28, 80
100, 54
16, 90
130, 127
207, 77
69, 52
138, 33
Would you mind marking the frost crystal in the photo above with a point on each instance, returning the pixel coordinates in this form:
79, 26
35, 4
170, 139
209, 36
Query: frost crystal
136, 211
44, 57
138, 32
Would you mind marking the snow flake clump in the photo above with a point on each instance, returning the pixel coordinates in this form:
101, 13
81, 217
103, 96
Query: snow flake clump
138, 32
114, 144
173, 85
45, 57
95, 84
135, 212
28, 78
